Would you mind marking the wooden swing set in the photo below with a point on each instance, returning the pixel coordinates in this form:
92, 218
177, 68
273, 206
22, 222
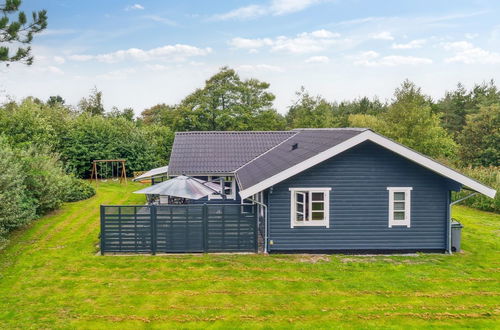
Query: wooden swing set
102, 170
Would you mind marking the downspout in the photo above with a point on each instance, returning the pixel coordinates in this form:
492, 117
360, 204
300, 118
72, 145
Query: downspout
449, 216
265, 221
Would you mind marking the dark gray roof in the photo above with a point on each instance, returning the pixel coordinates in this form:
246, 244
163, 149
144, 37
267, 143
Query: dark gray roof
308, 143
219, 152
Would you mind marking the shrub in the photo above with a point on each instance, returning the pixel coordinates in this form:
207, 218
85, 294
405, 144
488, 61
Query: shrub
489, 176
77, 189
44, 179
16, 207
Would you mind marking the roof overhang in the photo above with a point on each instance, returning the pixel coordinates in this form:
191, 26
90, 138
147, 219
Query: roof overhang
382, 141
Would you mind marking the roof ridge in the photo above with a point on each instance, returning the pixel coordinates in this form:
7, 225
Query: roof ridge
232, 132
332, 129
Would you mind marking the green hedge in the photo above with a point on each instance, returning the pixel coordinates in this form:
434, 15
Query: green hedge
33, 183
78, 189
486, 175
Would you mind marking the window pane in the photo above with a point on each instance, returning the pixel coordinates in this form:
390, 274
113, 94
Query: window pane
318, 206
399, 215
399, 206
300, 197
299, 217
318, 215
318, 196
300, 208
399, 196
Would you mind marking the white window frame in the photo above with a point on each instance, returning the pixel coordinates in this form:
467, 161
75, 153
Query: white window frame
233, 188
407, 209
310, 223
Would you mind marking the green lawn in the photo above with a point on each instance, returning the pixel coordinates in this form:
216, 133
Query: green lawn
51, 277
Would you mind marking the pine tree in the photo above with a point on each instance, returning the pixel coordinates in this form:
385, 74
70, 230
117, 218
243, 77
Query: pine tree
18, 32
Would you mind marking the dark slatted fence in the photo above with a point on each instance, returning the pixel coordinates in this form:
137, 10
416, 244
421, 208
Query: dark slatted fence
179, 228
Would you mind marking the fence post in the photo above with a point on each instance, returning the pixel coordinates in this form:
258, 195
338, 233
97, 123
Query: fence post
205, 227
102, 234
152, 212
256, 227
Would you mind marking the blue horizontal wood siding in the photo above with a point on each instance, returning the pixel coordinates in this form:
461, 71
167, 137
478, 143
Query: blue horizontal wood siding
359, 204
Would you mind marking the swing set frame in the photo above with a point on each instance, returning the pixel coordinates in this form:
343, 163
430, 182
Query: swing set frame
122, 175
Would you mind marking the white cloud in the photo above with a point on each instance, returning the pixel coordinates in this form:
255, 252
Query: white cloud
134, 7
250, 43
259, 67
318, 59
373, 59
275, 7
117, 74
242, 13
157, 67
467, 53
168, 52
410, 45
59, 60
471, 36
384, 35
282, 7
322, 34
160, 19
57, 32
306, 42
80, 58
50, 69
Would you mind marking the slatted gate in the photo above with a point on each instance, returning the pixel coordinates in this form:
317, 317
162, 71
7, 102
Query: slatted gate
179, 228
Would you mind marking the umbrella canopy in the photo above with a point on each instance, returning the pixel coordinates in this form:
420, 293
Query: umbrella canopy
151, 173
182, 186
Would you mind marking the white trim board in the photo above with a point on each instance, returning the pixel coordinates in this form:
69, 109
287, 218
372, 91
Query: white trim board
382, 141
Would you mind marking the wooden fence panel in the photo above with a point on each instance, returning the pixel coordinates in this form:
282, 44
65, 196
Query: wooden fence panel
178, 228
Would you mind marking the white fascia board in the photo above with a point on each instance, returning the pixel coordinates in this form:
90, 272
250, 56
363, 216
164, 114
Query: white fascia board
382, 141
432, 164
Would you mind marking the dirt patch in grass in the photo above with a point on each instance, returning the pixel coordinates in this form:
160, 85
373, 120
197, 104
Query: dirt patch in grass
313, 258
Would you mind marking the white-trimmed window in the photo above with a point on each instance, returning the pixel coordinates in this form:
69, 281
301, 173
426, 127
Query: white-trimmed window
399, 206
229, 187
310, 207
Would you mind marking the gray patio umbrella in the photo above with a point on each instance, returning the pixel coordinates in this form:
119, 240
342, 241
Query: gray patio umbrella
182, 186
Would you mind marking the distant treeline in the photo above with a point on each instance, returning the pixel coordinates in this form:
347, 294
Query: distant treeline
51, 143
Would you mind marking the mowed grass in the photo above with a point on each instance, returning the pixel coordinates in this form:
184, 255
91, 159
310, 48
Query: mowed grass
51, 277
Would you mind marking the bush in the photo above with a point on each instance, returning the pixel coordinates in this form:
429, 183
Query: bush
489, 176
77, 189
44, 179
16, 207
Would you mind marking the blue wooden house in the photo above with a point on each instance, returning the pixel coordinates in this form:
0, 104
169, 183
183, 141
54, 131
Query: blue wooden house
326, 190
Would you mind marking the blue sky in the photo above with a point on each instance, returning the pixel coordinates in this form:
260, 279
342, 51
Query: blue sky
140, 53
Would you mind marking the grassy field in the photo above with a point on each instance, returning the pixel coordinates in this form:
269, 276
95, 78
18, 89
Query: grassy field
51, 277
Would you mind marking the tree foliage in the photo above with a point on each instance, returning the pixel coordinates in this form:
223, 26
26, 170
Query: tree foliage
17, 31
411, 121
458, 104
226, 102
311, 111
92, 104
480, 141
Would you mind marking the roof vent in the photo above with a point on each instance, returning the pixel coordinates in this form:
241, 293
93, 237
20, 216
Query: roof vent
295, 146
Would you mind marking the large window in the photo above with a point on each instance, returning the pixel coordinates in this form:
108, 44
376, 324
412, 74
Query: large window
399, 206
229, 187
310, 207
